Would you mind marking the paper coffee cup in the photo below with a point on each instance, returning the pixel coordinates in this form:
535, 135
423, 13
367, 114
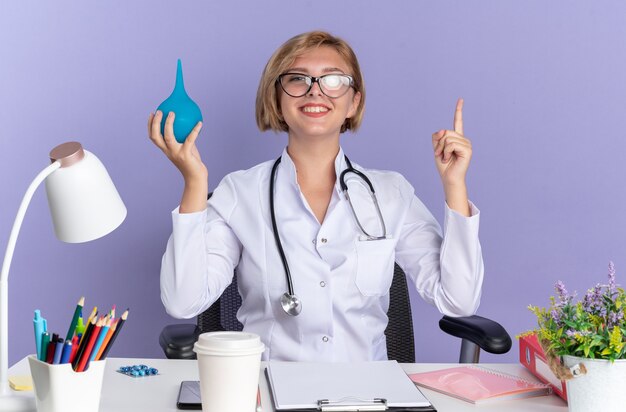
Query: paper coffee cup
229, 364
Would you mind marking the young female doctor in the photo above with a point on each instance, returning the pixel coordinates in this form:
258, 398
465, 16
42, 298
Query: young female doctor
314, 235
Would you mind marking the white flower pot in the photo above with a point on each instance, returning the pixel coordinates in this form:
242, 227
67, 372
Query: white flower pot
601, 389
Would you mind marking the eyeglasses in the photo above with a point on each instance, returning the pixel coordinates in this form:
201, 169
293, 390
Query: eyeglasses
332, 85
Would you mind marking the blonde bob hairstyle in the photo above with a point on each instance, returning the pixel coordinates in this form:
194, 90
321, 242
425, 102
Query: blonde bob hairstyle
268, 113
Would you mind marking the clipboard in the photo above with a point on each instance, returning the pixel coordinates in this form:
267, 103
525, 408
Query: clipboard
334, 387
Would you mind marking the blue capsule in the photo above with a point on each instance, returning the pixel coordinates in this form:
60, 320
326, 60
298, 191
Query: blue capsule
138, 370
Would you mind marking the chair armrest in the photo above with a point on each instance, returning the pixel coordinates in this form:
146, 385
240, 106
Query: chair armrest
177, 341
489, 335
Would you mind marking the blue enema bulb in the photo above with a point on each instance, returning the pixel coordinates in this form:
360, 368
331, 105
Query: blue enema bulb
186, 110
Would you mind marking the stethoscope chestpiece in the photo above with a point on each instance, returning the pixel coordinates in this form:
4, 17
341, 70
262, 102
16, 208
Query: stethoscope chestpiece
291, 304
289, 301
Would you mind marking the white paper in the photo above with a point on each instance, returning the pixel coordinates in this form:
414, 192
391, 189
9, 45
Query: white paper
299, 385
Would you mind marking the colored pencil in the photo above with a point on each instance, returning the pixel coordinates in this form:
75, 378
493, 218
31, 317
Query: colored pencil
107, 338
101, 335
94, 315
79, 308
83, 343
90, 320
84, 358
74, 349
119, 325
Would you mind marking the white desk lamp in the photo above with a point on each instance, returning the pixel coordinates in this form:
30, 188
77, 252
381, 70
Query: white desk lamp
84, 205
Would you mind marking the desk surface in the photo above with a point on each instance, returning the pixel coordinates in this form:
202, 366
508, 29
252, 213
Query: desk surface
121, 393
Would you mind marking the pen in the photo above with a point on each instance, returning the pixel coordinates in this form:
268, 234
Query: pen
51, 348
58, 349
39, 324
259, 408
77, 311
45, 341
80, 326
67, 351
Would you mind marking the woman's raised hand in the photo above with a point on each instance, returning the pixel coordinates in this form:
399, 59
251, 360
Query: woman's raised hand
453, 151
185, 156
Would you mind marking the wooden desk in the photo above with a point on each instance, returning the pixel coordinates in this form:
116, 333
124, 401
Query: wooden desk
121, 393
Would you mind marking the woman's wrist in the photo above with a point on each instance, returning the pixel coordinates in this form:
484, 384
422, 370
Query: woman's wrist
457, 199
195, 195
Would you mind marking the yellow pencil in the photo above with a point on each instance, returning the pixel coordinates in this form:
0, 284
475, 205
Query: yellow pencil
94, 312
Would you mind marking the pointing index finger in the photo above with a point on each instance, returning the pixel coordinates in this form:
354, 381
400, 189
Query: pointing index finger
458, 117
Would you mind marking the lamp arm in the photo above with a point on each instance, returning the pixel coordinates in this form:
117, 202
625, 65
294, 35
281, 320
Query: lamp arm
4, 275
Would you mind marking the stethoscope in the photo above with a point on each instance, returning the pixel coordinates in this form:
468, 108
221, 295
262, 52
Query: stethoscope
289, 301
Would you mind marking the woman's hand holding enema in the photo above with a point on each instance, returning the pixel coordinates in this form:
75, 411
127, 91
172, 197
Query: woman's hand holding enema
453, 152
185, 157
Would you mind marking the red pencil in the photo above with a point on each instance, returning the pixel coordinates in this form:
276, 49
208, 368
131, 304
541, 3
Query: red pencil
74, 348
92, 340
83, 343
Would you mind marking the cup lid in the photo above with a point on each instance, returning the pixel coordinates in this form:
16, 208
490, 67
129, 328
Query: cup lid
229, 343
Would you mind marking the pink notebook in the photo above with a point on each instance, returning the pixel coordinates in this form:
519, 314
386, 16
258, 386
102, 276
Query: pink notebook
476, 384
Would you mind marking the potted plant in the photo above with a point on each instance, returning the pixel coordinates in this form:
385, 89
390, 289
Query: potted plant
586, 342
587, 337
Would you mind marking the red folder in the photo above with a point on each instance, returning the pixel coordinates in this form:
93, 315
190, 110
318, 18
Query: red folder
531, 355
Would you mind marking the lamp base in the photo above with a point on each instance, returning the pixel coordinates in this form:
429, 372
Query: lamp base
21, 402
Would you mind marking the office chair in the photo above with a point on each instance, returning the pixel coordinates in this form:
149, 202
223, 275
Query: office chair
476, 332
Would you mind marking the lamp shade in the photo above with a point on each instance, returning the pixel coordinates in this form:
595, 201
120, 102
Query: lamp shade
83, 200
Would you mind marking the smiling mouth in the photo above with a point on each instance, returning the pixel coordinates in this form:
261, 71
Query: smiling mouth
315, 109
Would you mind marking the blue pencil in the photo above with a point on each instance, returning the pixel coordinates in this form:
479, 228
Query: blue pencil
101, 335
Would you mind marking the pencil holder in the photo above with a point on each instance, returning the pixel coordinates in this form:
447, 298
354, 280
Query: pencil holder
59, 389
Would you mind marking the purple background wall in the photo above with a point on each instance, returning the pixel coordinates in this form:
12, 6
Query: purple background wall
545, 91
